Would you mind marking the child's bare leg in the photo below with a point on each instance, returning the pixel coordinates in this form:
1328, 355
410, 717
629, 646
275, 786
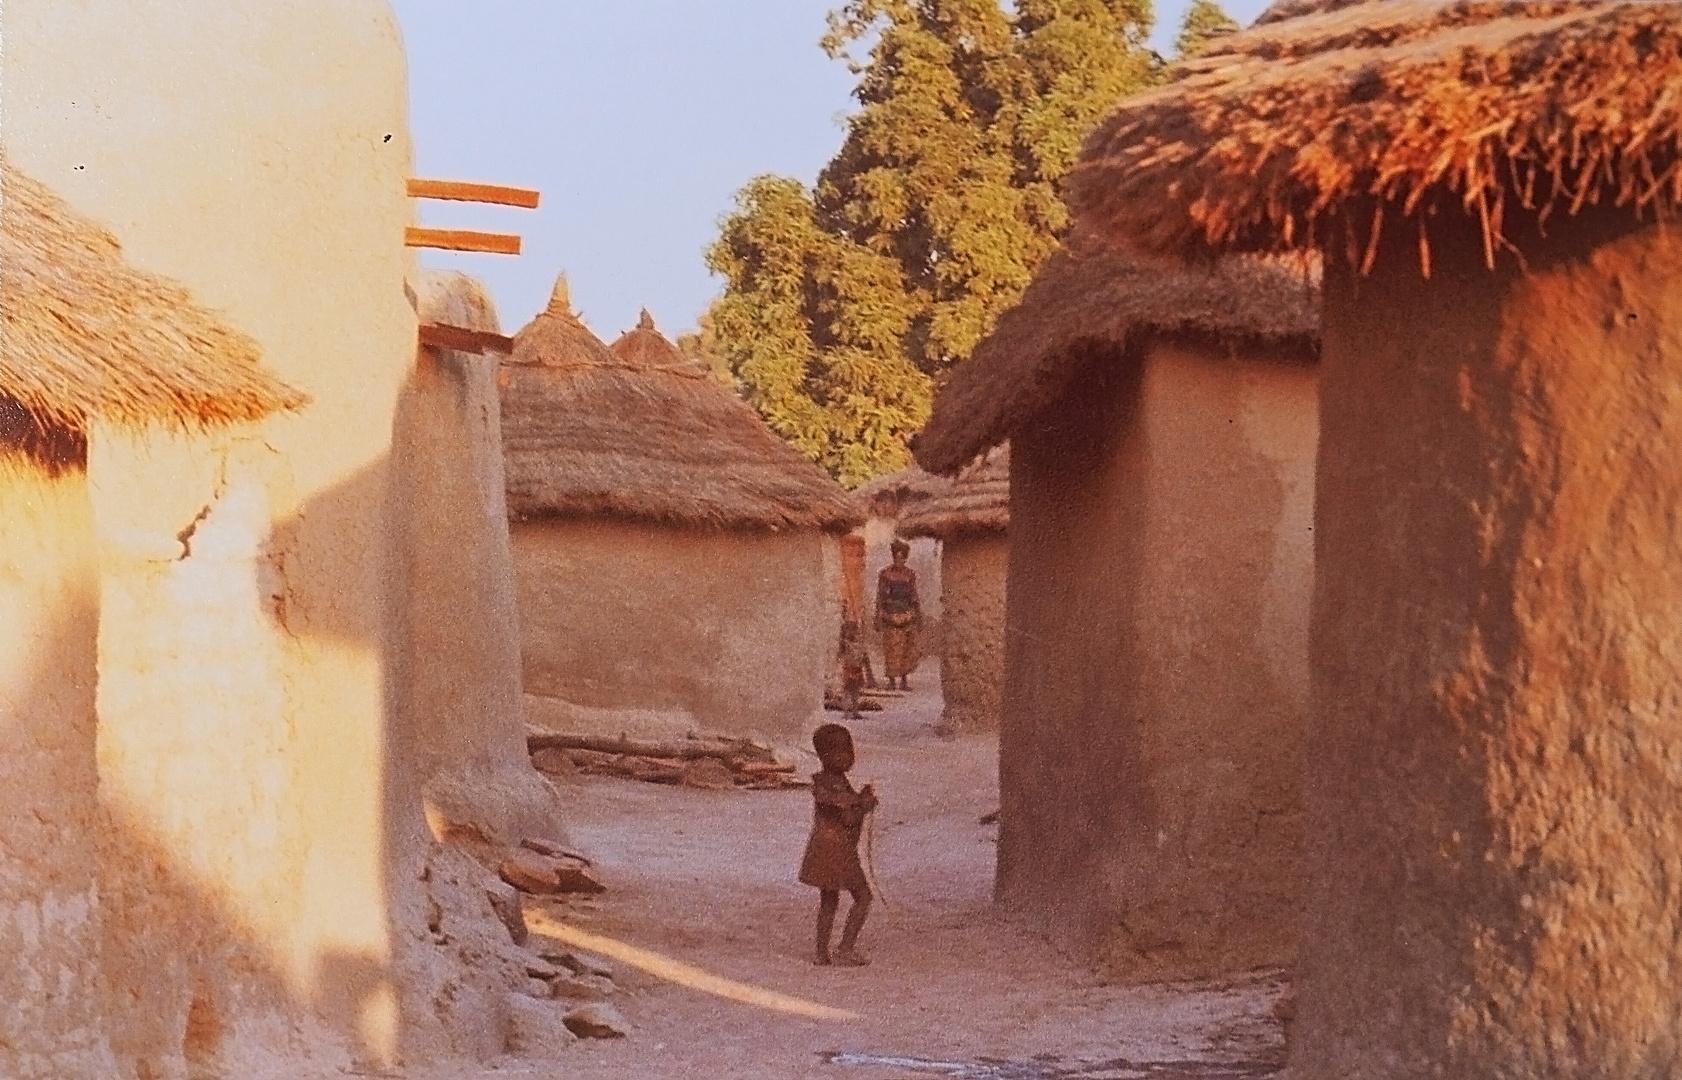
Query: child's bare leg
828, 901
848, 953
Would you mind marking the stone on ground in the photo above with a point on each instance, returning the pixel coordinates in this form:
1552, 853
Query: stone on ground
505, 901
536, 1028
597, 1020
582, 987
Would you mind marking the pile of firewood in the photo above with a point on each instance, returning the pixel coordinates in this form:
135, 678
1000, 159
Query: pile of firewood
714, 762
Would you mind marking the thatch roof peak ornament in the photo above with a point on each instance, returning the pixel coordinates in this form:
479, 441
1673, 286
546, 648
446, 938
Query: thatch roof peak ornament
1329, 122
560, 297
557, 338
645, 321
83, 334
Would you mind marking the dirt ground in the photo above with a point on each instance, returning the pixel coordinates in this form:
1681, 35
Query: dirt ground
955, 988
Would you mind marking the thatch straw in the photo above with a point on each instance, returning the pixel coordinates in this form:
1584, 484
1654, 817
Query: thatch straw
977, 502
1090, 293
1327, 122
898, 493
83, 334
642, 432
453, 298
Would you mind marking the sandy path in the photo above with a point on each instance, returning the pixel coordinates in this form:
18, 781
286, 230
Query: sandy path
707, 878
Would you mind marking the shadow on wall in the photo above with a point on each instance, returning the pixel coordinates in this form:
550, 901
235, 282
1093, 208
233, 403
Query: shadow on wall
282, 891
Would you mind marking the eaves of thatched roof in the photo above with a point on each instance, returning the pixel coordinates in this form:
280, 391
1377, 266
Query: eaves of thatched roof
1328, 122
1093, 293
978, 502
83, 334
641, 432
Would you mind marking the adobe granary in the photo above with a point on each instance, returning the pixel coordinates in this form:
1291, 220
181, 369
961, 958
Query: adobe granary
462, 683
1162, 432
676, 562
971, 519
1492, 813
85, 338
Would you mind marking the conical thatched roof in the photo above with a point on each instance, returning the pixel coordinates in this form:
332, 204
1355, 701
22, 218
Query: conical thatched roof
977, 502
898, 493
644, 433
1090, 293
1329, 121
647, 348
83, 334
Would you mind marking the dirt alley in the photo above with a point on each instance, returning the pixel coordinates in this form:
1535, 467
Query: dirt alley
955, 988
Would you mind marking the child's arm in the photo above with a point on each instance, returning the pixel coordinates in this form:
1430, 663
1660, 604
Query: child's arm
853, 806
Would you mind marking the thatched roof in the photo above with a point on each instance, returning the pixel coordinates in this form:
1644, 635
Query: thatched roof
84, 334
898, 493
455, 299
977, 502
1090, 292
642, 432
1328, 121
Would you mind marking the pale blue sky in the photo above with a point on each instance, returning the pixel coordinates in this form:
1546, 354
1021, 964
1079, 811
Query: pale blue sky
638, 120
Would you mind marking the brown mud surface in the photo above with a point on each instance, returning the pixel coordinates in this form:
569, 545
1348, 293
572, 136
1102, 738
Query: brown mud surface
955, 987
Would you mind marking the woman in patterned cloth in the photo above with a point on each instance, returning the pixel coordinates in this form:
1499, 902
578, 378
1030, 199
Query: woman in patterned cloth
898, 615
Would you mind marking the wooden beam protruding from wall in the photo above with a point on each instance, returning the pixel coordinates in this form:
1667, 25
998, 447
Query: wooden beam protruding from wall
461, 240
460, 338
467, 191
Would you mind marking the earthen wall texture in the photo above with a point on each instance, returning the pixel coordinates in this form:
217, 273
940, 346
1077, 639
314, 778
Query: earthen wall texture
733, 630
1493, 799
1156, 662
256, 153
50, 918
972, 656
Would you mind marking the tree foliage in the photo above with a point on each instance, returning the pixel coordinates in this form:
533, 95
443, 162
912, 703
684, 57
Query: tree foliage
845, 303
1204, 21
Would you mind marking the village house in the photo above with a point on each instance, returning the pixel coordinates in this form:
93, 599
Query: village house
1162, 431
271, 896
1491, 805
971, 521
677, 563
85, 339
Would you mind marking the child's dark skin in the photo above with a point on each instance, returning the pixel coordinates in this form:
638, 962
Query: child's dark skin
836, 851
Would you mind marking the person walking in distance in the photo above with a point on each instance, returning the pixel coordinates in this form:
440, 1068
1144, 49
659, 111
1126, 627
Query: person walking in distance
899, 615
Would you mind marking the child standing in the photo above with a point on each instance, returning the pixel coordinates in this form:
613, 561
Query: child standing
832, 854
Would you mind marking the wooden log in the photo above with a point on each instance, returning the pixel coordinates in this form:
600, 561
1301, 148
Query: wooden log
460, 338
680, 749
461, 240
467, 191
763, 768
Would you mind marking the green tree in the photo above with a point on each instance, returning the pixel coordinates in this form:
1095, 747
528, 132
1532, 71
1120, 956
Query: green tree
844, 305
1204, 22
